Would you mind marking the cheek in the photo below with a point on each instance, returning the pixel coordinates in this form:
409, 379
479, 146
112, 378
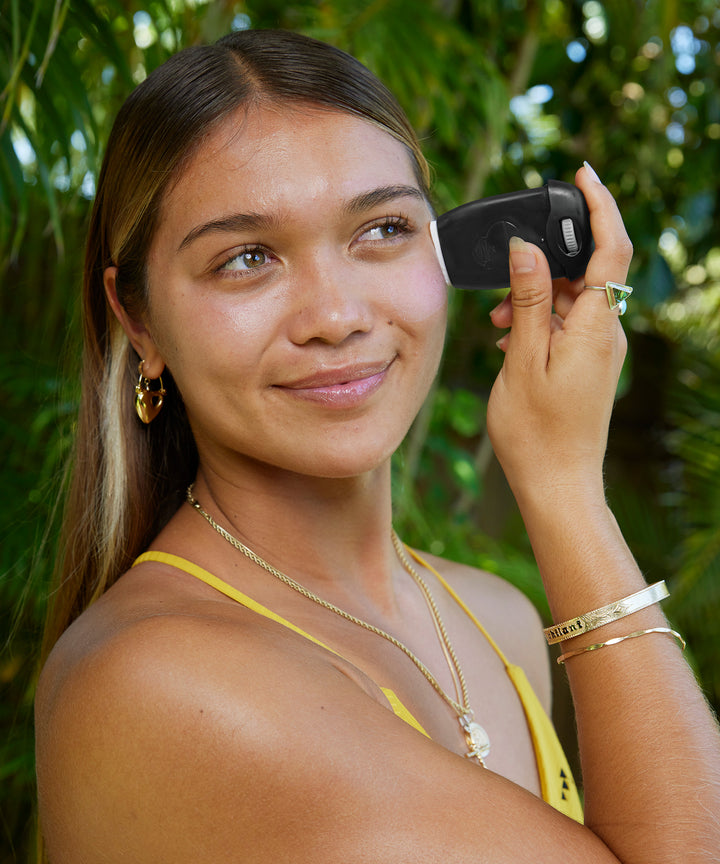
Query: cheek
204, 331
422, 302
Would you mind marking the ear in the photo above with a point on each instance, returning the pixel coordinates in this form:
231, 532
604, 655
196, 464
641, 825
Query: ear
138, 334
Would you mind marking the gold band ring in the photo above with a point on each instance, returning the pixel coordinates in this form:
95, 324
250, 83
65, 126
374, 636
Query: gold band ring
617, 294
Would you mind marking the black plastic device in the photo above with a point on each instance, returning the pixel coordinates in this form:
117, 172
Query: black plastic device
472, 240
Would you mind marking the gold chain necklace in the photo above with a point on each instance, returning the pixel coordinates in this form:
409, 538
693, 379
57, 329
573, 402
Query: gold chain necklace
476, 737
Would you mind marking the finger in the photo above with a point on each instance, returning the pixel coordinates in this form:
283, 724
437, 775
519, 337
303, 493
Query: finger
565, 293
556, 323
531, 294
501, 315
609, 262
613, 250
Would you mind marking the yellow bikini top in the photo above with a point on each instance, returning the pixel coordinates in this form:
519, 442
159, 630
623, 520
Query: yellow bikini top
556, 781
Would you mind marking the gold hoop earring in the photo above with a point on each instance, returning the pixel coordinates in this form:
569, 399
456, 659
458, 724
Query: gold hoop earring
148, 402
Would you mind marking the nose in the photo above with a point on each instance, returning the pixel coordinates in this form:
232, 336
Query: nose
332, 303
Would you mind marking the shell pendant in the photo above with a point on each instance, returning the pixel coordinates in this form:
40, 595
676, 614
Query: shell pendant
476, 737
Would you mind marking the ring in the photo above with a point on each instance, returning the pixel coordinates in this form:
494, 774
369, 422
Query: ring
617, 294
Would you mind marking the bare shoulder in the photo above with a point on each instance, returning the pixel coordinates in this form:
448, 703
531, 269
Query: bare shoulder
507, 614
150, 715
171, 734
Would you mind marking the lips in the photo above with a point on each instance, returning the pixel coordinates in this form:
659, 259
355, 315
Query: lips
343, 387
338, 377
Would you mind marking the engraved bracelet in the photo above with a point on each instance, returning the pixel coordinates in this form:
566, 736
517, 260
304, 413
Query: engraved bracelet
605, 614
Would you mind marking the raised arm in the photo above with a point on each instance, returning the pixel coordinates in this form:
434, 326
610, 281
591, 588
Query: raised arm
649, 745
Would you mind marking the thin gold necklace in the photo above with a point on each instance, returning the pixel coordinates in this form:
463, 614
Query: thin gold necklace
476, 737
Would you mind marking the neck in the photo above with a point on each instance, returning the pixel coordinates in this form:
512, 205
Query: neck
339, 529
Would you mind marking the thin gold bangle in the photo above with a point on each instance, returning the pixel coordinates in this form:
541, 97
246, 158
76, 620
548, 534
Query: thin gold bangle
563, 657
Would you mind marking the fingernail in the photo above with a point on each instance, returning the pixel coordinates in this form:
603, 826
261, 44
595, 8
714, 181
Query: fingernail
591, 172
522, 257
502, 342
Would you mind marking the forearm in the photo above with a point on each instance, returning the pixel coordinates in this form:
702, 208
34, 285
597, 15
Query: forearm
650, 749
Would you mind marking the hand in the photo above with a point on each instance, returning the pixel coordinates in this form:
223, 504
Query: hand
550, 406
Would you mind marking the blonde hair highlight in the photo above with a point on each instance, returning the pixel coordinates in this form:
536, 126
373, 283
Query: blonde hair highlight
128, 479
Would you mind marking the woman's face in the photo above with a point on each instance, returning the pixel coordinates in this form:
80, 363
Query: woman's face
294, 292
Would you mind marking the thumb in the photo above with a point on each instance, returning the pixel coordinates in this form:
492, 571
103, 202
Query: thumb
531, 293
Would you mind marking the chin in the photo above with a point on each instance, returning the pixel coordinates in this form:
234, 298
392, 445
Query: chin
325, 462
330, 466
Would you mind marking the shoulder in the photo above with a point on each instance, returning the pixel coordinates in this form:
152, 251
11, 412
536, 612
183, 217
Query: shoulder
507, 614
139, 707
148, 639
180, 734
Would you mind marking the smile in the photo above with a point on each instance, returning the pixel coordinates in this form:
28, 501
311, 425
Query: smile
347, 387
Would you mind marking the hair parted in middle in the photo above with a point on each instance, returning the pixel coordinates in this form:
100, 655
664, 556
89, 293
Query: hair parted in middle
127, 480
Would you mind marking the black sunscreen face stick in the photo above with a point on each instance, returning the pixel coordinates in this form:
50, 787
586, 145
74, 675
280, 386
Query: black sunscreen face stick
471, 241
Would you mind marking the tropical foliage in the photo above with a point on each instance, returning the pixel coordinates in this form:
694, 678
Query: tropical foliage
506, 94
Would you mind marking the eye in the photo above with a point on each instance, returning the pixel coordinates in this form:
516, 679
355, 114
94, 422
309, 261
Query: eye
248, 259
388, 229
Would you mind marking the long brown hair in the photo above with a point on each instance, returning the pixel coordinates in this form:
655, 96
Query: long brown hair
128, 479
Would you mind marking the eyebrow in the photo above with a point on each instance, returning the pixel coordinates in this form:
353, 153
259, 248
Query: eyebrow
232, 223
236, 222
382, 195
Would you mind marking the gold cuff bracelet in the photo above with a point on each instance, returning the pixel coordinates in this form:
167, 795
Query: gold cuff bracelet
605, 614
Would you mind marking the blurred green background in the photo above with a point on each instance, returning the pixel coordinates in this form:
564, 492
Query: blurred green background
505, 94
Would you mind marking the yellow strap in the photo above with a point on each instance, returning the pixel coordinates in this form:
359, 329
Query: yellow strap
556, 779
401, 711
228, 590
456, 597
207, 577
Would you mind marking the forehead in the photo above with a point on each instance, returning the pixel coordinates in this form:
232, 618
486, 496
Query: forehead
287, 157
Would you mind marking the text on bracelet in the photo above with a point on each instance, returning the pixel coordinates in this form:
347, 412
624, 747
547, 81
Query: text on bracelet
564, 631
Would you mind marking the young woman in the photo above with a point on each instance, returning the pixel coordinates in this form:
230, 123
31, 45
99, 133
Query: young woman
248, 665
